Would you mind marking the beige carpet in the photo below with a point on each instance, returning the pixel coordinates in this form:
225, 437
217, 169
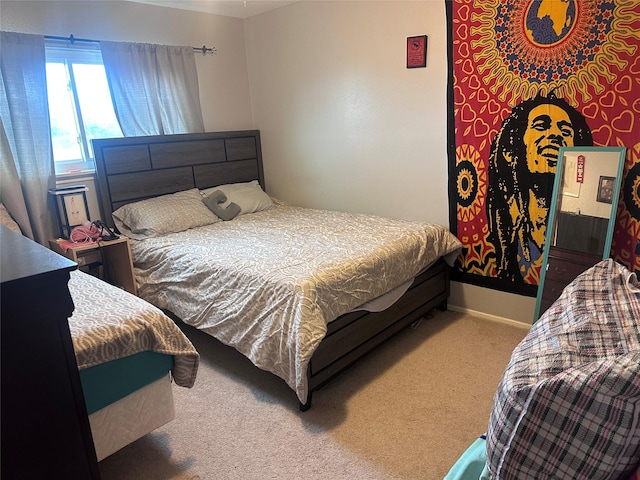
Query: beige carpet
406, 411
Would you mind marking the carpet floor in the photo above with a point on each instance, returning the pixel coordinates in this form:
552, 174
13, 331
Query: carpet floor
405, 411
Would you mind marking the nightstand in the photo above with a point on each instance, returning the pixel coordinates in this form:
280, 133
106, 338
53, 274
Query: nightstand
111, 258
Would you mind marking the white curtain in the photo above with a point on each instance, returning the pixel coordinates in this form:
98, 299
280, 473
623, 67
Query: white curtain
26, 156
154, 88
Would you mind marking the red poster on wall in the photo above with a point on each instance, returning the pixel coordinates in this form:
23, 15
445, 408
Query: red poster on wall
580, 169
417, 51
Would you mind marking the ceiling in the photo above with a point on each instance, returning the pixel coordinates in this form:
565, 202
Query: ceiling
229, 8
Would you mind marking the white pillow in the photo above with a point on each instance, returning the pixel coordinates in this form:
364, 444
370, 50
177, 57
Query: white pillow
248, 196
165, 214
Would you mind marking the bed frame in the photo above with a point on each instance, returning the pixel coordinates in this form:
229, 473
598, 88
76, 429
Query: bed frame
134, 168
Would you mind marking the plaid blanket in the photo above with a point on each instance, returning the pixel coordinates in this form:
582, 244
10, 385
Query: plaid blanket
568, 405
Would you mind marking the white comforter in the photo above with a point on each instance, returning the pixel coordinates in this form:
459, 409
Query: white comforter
268, 283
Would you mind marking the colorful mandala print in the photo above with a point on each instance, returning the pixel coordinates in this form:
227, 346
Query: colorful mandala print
585, 52
471, 183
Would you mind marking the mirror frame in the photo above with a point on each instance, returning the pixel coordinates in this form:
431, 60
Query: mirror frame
621, 151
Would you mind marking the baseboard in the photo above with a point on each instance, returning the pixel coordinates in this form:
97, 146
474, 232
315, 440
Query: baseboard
495, 318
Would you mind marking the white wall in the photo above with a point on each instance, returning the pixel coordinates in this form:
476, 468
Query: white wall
596, 164
345, 125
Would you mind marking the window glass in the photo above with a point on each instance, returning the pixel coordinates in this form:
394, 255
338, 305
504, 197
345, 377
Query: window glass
98, 117
64, 131
80, 106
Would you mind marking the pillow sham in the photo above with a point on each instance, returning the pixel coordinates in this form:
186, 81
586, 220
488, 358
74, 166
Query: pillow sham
165, 214
568, 403
248, 196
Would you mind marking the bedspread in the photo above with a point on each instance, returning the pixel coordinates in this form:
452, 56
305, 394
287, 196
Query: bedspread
109, 323
268, 283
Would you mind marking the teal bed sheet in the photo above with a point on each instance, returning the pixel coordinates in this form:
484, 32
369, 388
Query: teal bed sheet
108, 382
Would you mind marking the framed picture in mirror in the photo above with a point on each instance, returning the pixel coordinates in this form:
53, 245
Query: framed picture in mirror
605, 189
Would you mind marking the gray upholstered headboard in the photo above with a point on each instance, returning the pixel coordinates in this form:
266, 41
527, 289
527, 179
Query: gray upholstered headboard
134, 168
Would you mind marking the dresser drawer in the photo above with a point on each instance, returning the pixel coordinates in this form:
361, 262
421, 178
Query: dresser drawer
562, 268
552, 290
564, 271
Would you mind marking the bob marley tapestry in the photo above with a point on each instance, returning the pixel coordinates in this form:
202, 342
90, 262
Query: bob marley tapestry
526, 78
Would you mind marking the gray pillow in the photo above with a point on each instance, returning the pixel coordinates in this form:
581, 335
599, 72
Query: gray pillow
248, 196
165, 214
214, 202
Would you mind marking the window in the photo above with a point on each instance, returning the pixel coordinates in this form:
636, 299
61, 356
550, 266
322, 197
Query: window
80, 106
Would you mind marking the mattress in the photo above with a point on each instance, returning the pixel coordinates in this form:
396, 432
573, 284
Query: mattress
128, 352
268, 283
108, 382
132, 417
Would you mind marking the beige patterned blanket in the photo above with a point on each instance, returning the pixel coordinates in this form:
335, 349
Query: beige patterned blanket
268, 283
109, 323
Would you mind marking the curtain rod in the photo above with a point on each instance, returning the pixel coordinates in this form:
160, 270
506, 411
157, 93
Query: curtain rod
71, 39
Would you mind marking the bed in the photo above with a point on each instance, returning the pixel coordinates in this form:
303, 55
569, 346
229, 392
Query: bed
286, 286
568, 404
128, 354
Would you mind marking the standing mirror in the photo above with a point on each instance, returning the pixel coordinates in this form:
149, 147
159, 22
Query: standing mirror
581, 218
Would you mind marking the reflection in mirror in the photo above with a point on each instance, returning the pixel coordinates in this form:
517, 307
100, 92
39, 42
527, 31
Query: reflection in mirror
581, 218
585, 202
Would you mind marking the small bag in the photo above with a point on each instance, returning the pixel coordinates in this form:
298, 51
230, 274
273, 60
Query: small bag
105, 232
85, 233
90, 232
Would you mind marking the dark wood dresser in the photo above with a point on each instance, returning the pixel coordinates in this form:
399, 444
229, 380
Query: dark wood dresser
562, 268
45, 430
